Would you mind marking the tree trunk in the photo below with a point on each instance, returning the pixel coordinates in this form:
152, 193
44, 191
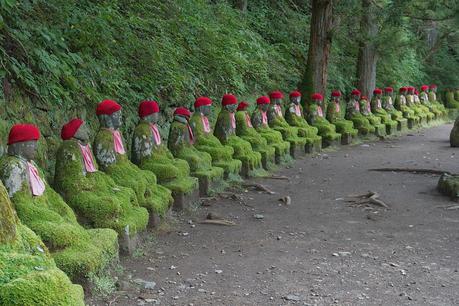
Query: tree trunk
315, 75
367, 59
241, 5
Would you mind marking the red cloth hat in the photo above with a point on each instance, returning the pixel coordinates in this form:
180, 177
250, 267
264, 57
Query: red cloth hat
70, 128
410, 88
336, 93
403, 89
416, 92
356, 92
147, 108
107, 107
229, 99
388, 89
377, 91
433, 86
317, 96
424, 87
263, 100
295, 94
276, 95
242, 106
23, 132
202, 101
182, 111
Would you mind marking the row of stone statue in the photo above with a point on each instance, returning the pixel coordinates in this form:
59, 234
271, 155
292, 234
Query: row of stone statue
101, 199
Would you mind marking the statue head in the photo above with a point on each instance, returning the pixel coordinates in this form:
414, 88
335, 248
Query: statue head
388, 91
149, 111
336, 96
203, 105
109, 114
23, 141
229, 103
377, 92
403, 90
317, 98
425, 88
295, 97
355, 94
182, 114
411, 90
263, 103
242, 106
433, 88
276, 97
76, 128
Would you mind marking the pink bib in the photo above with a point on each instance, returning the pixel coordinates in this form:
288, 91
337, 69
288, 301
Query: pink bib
205, 123
118, 142
247, 120
368, 107
379, 103
37, 185
233, 120
278, 110
337, 107
156, 134
357, 106
297, 110
389, 100
87, 158
190, 133
264, 118
319, 111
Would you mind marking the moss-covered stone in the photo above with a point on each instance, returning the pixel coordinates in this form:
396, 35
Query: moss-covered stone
418, 110
95, 197
28, 275
246, 131
449, 185
77, 251
316, 117
295, 117
361, 123
401, 105
172, 173
226, 134
451, 102
388, 105
181, 146
336, 117
155, 198
222, 154
379, 111
454, 135
278, 123
273, 137
437, 109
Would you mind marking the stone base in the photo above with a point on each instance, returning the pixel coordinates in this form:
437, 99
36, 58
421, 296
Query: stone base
314, 147
331, 143
128, 243
153, 220
266, 162
411, 124
296, 151
245, 170
380, 130
346, 138
390, 129
206, 185
402, 126
184, 200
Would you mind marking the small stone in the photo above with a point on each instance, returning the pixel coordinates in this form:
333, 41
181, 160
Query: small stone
292, 297
40, 249
344, 253
219, 271
173, 267
335, 254
279, 237
201, 290
258, 216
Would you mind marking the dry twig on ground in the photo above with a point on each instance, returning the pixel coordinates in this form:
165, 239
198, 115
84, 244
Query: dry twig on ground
411, 170
259, 187
370, 197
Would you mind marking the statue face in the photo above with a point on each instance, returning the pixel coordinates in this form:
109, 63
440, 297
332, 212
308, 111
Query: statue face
117, 119
181, 119
112, 121
26, 149
231, 108
335, 99
263, 107
206, 110
434, 89
276, 101
316, 102
83, 133
295, 100
153, 118
355, 97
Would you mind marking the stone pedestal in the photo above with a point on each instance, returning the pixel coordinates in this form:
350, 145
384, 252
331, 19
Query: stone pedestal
402, 125
331, 143
153, 220
184, 200
245, 170
411, 124
128, 243
380, 130
346, 138
314, 147
296, 151
390, 129
265, 161
206, 185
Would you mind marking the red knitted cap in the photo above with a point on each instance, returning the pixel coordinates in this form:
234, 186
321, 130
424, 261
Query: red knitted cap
263, 100
377, 91
424, 87
202, 101
388, 89
70, 128
107, 107
242, 106
433, 86
23, 132
295, 94
276, 95
317, 96
147, 108
182, 111
356, 92
229, 99
336, 93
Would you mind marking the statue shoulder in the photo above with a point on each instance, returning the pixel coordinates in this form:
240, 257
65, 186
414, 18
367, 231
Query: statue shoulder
13, 172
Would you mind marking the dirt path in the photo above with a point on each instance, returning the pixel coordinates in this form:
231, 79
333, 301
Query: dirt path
319, 250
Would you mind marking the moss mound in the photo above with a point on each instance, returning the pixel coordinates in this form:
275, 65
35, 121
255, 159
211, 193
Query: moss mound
77, 251
155, 198
401, 105
172, 173
294, 117
336, 117
361, 123
278, 123
379, 111
449, 185
222, 154
451, 102
95, 197
326, 129
454, 135
181, 146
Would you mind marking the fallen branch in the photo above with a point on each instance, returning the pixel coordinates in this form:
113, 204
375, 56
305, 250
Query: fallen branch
259, 187
411, 170
218, 222
370, 197
277, 177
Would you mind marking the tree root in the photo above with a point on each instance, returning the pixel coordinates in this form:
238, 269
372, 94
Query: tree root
411, 170
367, 198
259, 187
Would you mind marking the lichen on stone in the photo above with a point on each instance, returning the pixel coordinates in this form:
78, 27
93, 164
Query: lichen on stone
172, 173
449, 185
304, 129
361, 123
95, 197
451, 102
155, 198
454, 135
379, 111
326, 129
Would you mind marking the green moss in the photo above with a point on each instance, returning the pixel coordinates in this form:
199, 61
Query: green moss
222, 154
451, 102
28, 275
384, 116
361, 123
336, 118
326, 129
181, 147
172, 173
289, 133
304, 129
95, 197
154, 197
449, 185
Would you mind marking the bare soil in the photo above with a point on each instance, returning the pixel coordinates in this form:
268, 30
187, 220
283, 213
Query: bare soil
320, 249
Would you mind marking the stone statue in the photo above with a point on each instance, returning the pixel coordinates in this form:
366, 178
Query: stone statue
180, 143
204, 140
29, 276
225, 131
418, 111
246, 131
378, 110
274, 138
448, 185
353, 113
278, 123
150, 153
436, 108
335, 116
454, 135
433, 95
77, 251
111, 156
316, 117
388, 106
365, 109
93, 195
401, 105
295, 117
450, 100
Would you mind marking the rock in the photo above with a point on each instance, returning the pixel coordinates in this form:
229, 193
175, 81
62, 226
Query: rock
219, 271
258, 216
146, 284
292, 297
